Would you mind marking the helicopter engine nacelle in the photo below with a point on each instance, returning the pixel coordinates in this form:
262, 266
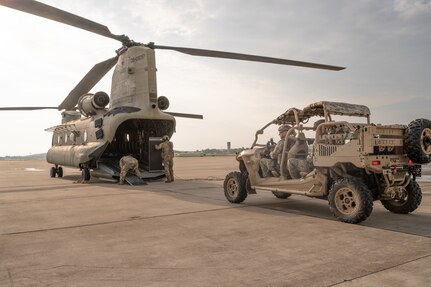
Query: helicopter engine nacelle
163, 103
89, 104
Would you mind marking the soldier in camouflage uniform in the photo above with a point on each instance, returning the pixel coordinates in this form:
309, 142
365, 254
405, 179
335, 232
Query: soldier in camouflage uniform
299, 167
167, 148
270, 166
127, 163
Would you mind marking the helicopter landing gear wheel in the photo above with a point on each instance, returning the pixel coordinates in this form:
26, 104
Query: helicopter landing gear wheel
52, 172
85, 174
56, 171
60, 171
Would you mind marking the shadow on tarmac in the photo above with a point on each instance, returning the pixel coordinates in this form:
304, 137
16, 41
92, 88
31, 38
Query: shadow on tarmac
416, 223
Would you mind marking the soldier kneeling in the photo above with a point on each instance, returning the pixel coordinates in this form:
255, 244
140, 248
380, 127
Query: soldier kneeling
127, 163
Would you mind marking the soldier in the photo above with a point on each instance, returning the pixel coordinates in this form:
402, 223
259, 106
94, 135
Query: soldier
270, 165
167, 148
127, 163
299, 167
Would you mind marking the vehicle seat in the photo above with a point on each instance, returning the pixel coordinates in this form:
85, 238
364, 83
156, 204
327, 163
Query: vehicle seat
300, 148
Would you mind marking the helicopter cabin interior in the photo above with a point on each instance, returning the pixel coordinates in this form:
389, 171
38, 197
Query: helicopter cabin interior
136, 137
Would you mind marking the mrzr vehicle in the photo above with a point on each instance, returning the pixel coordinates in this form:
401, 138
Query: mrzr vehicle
354, 163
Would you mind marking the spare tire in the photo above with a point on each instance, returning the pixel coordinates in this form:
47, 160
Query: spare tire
417, 143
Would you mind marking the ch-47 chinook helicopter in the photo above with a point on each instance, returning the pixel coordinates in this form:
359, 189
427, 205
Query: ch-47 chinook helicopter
97, 129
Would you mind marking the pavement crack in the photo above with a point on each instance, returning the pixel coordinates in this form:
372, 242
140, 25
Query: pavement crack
378, 271
120, 221
10, 278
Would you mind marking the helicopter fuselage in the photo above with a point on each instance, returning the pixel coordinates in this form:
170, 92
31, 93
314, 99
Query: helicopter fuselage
126, 127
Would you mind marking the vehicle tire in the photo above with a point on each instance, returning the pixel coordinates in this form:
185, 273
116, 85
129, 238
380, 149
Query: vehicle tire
409, 203
52, 172
235, 187
60, 171
350, 200
281, 195
417, 141
86, 174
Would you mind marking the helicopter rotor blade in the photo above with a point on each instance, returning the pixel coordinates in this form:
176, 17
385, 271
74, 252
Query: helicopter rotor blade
183, 115
244, 57
55, 14
87, 83
27, 108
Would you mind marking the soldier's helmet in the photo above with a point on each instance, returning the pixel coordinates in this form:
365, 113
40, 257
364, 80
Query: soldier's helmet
165, 138
317, 123
284, 128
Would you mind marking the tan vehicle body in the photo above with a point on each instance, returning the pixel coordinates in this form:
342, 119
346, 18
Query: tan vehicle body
370, 156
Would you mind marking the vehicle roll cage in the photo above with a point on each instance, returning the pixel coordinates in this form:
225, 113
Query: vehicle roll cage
296, 118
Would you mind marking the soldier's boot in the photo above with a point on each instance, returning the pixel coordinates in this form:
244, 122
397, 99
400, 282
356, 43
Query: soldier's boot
168, 179
121, 182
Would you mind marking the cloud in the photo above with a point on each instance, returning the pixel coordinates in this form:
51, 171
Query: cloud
169, 18
412, 8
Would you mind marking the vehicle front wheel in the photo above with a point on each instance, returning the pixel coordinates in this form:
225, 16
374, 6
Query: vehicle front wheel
281, 195
235, 187
350, 200
409, 203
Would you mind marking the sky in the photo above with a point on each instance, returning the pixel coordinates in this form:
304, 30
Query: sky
384, 45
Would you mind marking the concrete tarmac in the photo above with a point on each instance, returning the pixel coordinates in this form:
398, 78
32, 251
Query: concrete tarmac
56, 232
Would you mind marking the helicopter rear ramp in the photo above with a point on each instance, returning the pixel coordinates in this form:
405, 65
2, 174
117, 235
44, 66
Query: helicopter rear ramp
111, 170
134, 180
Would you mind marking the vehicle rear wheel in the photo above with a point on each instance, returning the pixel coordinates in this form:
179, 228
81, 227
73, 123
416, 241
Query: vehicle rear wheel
52, 172
418, 141
350, 200
409, 203
235, 187
282, 195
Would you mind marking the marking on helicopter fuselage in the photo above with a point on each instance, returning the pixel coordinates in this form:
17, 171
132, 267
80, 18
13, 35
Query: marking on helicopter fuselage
137, 58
